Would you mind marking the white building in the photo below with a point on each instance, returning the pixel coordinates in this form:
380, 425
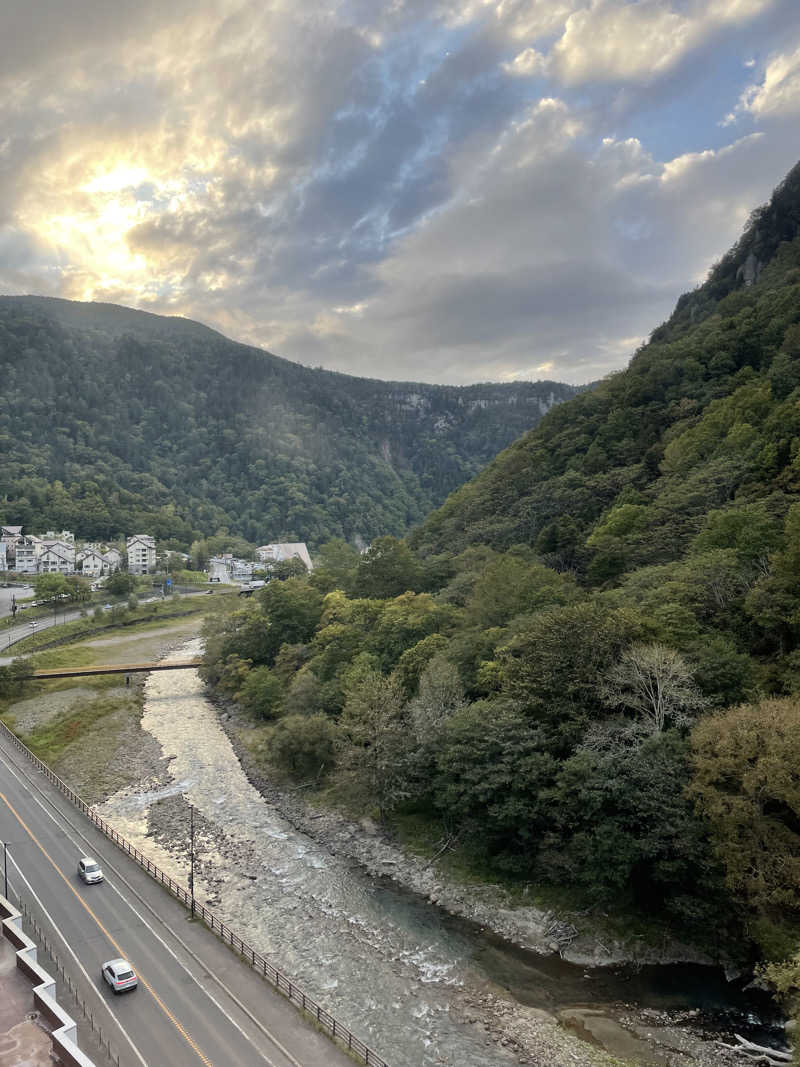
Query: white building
113, 558
288, 550
3, 559
54, 560
28, 551
93, 563
141, 554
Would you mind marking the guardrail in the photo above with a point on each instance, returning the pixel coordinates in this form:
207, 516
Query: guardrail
327, 1022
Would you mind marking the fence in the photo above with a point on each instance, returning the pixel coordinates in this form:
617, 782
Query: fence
42, 940
338, 1031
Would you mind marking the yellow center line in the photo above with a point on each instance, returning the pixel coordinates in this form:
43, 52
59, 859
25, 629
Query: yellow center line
118, 947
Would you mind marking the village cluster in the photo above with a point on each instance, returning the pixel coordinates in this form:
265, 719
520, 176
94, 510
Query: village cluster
57, 553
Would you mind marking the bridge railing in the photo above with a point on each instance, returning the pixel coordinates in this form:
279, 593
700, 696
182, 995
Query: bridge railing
290, 989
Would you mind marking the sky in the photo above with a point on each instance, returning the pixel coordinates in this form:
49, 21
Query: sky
423, 190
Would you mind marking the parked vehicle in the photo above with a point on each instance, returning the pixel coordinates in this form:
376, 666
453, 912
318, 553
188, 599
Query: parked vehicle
120, 975
89, 870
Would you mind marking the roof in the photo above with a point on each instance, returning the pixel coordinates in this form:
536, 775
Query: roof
288, 550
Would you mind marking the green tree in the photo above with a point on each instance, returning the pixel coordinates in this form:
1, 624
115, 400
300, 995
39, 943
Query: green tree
492, 769
746, 784
120, 583
304, 745
50, 586
373, 742
335, 566
553, 670
386, 570
260, 693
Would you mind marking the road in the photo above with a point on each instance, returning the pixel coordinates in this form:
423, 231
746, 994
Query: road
24, 629
197, 1003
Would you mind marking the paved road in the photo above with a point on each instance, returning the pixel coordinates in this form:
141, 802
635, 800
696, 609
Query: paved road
197, 1003
24, 629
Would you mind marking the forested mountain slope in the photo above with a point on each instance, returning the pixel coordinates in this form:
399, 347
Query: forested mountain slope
113, 420
584, 668
705, 417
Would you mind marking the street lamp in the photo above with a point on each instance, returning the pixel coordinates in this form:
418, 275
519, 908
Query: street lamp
5, 868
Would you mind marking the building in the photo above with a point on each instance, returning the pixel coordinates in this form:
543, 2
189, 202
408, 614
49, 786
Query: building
63, 548
53, 559
280, 552
3, 558
10, 536
27, 552
93, 563
113, 558
141, 554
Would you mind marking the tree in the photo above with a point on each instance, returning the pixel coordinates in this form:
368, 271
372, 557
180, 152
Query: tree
292, 609
335, 566
414, 661
120, 583
441, 695
260, 693
304, 695
50, 586
304, 745
287, 568
553, 669
373, 742
200, 553
387, 569
623, 827
746, 784
655, 683
491, 773
515, 585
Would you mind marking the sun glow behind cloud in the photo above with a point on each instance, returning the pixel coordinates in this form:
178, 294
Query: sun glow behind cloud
459, 191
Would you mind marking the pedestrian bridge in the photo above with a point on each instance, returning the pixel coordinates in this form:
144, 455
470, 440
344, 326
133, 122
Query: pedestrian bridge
115, 668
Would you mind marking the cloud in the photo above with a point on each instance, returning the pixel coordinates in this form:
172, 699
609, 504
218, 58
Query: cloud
451, 191
778, 94
638, 40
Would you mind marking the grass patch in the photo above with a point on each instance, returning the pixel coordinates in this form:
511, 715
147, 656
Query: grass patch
50, 741
146, 616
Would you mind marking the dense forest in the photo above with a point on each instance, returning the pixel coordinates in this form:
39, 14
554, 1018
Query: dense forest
113, 420
583, 670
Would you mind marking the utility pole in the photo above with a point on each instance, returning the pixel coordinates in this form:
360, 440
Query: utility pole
5, 869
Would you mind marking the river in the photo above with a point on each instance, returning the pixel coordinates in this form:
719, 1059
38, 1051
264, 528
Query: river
402, 974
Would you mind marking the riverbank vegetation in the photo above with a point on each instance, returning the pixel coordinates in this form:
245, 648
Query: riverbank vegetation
584, 668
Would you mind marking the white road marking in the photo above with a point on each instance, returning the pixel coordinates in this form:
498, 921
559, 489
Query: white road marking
78, 963
296, 1063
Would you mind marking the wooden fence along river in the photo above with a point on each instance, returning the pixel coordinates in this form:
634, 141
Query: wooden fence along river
284, 985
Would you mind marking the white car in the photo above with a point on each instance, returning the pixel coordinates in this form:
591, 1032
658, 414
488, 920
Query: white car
120, 975
89, 870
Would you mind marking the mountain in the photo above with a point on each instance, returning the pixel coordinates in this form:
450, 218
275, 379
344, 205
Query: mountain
705, 418
113, 420
582, 672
